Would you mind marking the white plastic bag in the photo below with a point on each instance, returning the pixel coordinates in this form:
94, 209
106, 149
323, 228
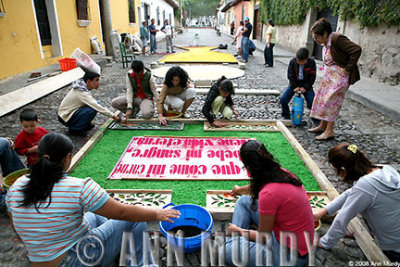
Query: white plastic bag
137, 43
85, 61
96, 45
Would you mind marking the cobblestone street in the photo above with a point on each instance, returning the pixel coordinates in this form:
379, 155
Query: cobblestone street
371, 131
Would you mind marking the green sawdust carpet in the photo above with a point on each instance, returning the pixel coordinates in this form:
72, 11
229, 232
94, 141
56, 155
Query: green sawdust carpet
99, 162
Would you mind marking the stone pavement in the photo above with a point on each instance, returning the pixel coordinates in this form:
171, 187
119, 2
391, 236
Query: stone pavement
371, 131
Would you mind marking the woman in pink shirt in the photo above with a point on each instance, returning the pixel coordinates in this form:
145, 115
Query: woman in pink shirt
278, 205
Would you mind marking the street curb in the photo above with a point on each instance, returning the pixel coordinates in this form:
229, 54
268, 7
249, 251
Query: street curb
392, 113
352, 93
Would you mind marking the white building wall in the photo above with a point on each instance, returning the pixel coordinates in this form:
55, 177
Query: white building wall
162, 6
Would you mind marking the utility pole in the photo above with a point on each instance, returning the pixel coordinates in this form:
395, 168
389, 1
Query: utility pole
181, 15
107, 25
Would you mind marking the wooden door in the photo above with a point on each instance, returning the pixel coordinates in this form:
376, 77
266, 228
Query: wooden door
43, 22
324, 13
257, 27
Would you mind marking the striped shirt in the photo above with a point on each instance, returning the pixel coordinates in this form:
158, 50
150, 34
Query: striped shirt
58, 227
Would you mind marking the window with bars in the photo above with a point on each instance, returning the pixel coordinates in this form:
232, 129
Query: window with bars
132, 18
158, 16
82, 9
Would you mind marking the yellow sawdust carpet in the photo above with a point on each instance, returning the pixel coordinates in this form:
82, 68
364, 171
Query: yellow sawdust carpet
199, 55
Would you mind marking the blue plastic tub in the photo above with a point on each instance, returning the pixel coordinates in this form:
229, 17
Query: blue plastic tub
191, 215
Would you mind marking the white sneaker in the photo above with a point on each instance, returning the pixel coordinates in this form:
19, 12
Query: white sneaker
186, 115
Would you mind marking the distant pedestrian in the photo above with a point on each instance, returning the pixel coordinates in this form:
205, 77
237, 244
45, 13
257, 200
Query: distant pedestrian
238, 38
153, 39
301, 74
340, 71
144, 36
245, 45
219, 100
169, 34
79, 108
232, 27
26, 142
269, 47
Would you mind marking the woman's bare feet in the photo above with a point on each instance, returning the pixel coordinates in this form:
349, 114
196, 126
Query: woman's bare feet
318, 129
325, 136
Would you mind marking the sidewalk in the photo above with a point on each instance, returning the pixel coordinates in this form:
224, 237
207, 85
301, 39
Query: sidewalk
371, 93
20, 80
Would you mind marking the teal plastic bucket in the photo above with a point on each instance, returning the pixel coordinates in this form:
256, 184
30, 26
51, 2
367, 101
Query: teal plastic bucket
191, 215
297, 110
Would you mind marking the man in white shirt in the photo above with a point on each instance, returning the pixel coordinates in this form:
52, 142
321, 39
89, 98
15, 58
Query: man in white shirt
169, 34
78, 108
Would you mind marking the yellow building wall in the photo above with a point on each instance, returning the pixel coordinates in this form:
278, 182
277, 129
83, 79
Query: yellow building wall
19, 45
73, 36
120, 16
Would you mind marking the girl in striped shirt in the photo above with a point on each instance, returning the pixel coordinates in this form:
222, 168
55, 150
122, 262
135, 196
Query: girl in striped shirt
62, 219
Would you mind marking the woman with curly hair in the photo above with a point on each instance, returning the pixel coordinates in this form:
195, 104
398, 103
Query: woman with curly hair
375, 195
175, 93
278, 203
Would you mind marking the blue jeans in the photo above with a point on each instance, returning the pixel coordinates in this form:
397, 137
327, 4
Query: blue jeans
9, 160
245, 46
81, 119
287, 96
269, 54
240, 250
153, 43
109, 233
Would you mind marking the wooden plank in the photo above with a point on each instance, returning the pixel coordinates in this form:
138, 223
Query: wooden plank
25, 95
182, 179
164, 191
243, 127
142, 197
204, 91
192, 121
89, 144
309, 163
363, 238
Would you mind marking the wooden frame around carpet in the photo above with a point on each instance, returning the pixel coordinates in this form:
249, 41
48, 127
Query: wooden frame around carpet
363, 237
361, 234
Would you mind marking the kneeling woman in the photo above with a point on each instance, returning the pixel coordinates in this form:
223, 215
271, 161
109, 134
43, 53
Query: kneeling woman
175, 93
219, 100
375, 195
283, 206
60, 218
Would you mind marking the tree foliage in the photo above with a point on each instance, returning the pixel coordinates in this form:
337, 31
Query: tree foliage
197, 8
369, 13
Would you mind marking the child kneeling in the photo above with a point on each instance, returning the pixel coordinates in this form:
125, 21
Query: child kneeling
219, 100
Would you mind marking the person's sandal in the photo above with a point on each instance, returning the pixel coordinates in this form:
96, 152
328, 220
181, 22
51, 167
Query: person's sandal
186, 115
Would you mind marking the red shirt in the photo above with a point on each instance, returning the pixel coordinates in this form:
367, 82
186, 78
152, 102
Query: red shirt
292, 210
24, 141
